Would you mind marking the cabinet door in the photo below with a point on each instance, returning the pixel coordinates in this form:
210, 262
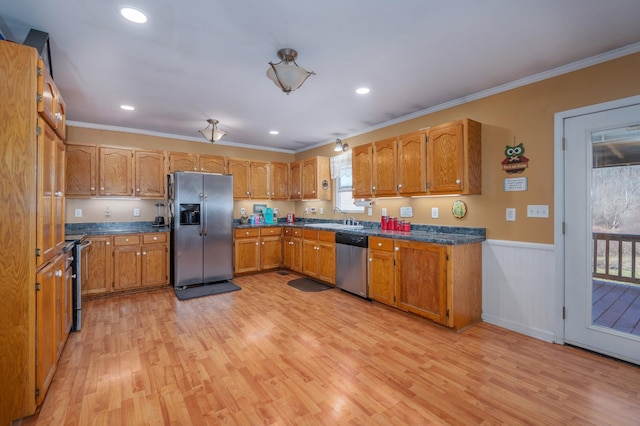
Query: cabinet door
384, 167
309, 257
421, 279
270, 252
154, 264
47, 96
183, 162
97, 266
295, 180
279, 181
59, 197
45, 229
246, 254
80, 170
381, 275
46, 327
241, 171
445, 153
212, 164
309, 178
150, 174
128, 262
327, 262
412, 168
116, 171
259, 180
361, 167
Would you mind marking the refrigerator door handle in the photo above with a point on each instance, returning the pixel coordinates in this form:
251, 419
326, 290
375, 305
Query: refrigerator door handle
205, 219
202, 216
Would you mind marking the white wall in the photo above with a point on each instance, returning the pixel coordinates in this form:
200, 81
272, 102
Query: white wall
518, 287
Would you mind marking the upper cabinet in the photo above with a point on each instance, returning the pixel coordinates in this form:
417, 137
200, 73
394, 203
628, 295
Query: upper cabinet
261, 180
185, 162
110, 171
442, 160
454, 158
241, 171
51, 106
316, 179
279, 181
295, 180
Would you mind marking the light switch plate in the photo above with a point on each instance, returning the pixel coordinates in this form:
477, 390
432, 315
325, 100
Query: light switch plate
369, 211
434, 212
136, 212
538, 210
384, 211
78, 213
511, 214
243, 211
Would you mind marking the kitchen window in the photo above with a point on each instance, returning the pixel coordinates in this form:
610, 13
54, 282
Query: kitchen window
343, 184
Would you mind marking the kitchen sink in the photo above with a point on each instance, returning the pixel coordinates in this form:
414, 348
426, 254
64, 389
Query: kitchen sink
339, 226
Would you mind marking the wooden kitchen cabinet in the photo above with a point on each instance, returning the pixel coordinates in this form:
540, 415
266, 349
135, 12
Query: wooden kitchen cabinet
98, 271
212, 164
46, 166
259, 177
454, 158
140, 260
411, 164
319, 255
361, 170
316, 179
81, 170
292, 249
295, 180
116, 171
279, 181
270, 248
187, 162
241, 171
150, 174
246, 250
50, 106
382, 270
384, 177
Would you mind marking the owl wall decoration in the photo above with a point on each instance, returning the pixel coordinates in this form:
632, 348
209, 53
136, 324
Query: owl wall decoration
515, 161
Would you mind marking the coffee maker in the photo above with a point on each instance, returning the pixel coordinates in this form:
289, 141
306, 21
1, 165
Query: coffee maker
159, 220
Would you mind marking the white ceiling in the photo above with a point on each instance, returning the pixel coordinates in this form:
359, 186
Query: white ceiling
197, 59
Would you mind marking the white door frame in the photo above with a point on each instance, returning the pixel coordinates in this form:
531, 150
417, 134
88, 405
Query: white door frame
559, 199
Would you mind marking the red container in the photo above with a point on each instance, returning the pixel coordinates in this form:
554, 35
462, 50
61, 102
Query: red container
384, 220
391, 223
406, 226
399, 224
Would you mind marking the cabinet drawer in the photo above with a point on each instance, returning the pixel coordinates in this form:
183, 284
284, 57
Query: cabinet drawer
327, 236
310, 234
246, 233
384, 244
159, 237
126, 240
265, 232
293, 232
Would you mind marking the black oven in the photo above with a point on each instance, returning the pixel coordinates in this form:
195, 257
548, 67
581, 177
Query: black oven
79, 267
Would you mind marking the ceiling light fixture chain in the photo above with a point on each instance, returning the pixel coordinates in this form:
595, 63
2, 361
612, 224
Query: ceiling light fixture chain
287, 74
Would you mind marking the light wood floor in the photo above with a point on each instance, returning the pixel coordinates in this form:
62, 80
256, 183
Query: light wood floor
271, 354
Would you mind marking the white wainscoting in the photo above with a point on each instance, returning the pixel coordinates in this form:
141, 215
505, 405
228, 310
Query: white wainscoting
518, 287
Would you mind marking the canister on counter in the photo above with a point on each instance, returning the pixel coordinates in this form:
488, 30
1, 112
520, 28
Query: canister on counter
391, 223
384, 220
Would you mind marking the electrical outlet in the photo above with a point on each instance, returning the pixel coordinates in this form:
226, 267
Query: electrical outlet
384, 211
369, 211
136, 212
511, 214
306, 209
243, 211
321, 210
434, 212
78, 212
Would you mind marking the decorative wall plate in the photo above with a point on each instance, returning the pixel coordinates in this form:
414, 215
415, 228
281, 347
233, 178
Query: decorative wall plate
459, 209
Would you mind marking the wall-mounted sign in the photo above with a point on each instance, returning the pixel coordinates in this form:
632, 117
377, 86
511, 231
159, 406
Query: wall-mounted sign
515, 184
515, 162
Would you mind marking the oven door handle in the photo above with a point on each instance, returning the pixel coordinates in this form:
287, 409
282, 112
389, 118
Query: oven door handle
85, 244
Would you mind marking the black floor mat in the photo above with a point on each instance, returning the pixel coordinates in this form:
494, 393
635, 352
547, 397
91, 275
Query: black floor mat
205, 290
307, 284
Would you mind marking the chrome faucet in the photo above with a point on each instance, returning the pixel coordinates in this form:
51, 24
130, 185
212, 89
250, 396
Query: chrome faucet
352, 220
336, 209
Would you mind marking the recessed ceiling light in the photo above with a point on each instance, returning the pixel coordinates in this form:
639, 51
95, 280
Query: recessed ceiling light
274, 132
127, 107
133, 15
362, 91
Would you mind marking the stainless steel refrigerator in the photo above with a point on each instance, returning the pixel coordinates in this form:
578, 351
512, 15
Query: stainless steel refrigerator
202, 240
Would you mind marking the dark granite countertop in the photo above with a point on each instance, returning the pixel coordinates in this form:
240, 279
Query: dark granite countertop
449, 235
108, 228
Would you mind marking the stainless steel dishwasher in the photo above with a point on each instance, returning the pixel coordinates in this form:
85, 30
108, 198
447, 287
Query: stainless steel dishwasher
351, 263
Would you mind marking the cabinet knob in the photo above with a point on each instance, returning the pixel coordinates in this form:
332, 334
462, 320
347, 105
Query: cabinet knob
155, 238
458, 181
138, 254
93, 188
126, 239
370, 259
257, 244
144, 253
373, 188
58, 273
263, 243
247, 192
137, 189
379, 244
247, 232
397, 249
290, 243
399, 185
108, 243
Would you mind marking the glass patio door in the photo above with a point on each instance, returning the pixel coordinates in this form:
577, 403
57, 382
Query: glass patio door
602, 231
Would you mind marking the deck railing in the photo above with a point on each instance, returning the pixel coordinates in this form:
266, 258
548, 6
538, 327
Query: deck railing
615, 257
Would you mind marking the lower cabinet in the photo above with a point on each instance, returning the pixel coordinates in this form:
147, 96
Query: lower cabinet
140, 260
439, 282
319, 255
257, 249
97, 267
52, 307
292, 249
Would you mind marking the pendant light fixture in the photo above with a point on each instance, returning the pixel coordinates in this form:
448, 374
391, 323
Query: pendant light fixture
340, 147
287, 74
211, 132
